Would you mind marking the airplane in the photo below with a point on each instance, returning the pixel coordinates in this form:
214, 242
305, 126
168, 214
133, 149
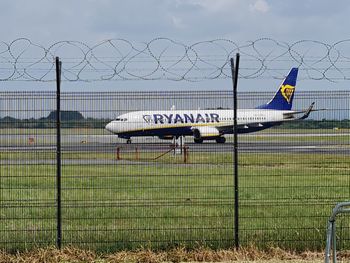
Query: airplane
211, 124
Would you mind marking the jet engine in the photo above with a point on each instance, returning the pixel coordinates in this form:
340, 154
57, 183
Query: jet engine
205, 133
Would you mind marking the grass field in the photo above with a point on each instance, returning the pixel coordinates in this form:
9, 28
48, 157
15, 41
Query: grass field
285, 201
107, 205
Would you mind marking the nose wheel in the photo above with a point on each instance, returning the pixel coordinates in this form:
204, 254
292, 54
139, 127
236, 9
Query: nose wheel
128, 141
221, 140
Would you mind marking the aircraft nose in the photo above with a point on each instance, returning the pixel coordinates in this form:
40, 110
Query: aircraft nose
109, 127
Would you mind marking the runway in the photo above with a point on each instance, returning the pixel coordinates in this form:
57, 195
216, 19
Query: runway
247, 144
246, 147
81, 149
50, 139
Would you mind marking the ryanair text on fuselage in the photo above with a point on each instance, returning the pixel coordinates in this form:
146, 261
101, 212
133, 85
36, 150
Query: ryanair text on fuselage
182, 118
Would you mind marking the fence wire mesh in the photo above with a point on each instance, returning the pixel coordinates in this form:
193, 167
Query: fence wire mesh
124, 196
27, 170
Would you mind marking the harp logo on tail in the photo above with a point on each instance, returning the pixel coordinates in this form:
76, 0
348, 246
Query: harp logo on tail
287, 92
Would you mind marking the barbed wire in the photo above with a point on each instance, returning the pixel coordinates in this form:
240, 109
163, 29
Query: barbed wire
167, 59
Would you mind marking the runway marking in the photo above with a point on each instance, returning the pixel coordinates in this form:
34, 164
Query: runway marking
26, 148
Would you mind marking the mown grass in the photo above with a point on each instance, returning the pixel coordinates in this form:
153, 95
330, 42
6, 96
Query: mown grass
285, 200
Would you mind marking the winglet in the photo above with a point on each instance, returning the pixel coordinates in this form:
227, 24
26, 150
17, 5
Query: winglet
307, 113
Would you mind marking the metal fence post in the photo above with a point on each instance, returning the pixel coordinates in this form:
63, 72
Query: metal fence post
58, 151
234, 71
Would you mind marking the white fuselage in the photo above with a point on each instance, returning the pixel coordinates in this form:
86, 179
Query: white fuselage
183, 122
211, 124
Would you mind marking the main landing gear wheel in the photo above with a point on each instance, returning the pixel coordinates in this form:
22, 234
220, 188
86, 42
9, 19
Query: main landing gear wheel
221, 140
128, 141
200, 140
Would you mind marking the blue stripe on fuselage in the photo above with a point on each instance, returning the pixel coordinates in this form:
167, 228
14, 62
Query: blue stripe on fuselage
187, 131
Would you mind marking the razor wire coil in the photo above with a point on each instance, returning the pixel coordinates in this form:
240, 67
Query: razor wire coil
167, 59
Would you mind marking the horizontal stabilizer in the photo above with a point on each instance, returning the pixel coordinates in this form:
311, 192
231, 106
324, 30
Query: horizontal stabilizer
291, 115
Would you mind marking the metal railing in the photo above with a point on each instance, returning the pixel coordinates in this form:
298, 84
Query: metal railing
331, 240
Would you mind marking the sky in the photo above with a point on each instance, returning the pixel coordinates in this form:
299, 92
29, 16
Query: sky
46, 22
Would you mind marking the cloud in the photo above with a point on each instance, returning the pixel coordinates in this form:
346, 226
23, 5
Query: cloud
191, 20
215, 6
177, 22
260, 6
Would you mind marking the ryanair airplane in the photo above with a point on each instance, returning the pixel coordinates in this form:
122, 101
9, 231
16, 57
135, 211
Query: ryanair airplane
211, 124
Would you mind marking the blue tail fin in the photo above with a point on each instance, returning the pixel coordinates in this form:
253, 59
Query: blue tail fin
283, 98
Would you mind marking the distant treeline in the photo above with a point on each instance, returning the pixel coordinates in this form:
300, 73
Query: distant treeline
74, 119
69, 119
320, 124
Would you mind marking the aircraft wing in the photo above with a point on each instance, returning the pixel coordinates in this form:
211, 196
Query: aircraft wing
223, 129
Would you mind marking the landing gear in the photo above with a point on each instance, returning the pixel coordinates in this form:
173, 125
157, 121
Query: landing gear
198, 140
128, 141
220, 140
